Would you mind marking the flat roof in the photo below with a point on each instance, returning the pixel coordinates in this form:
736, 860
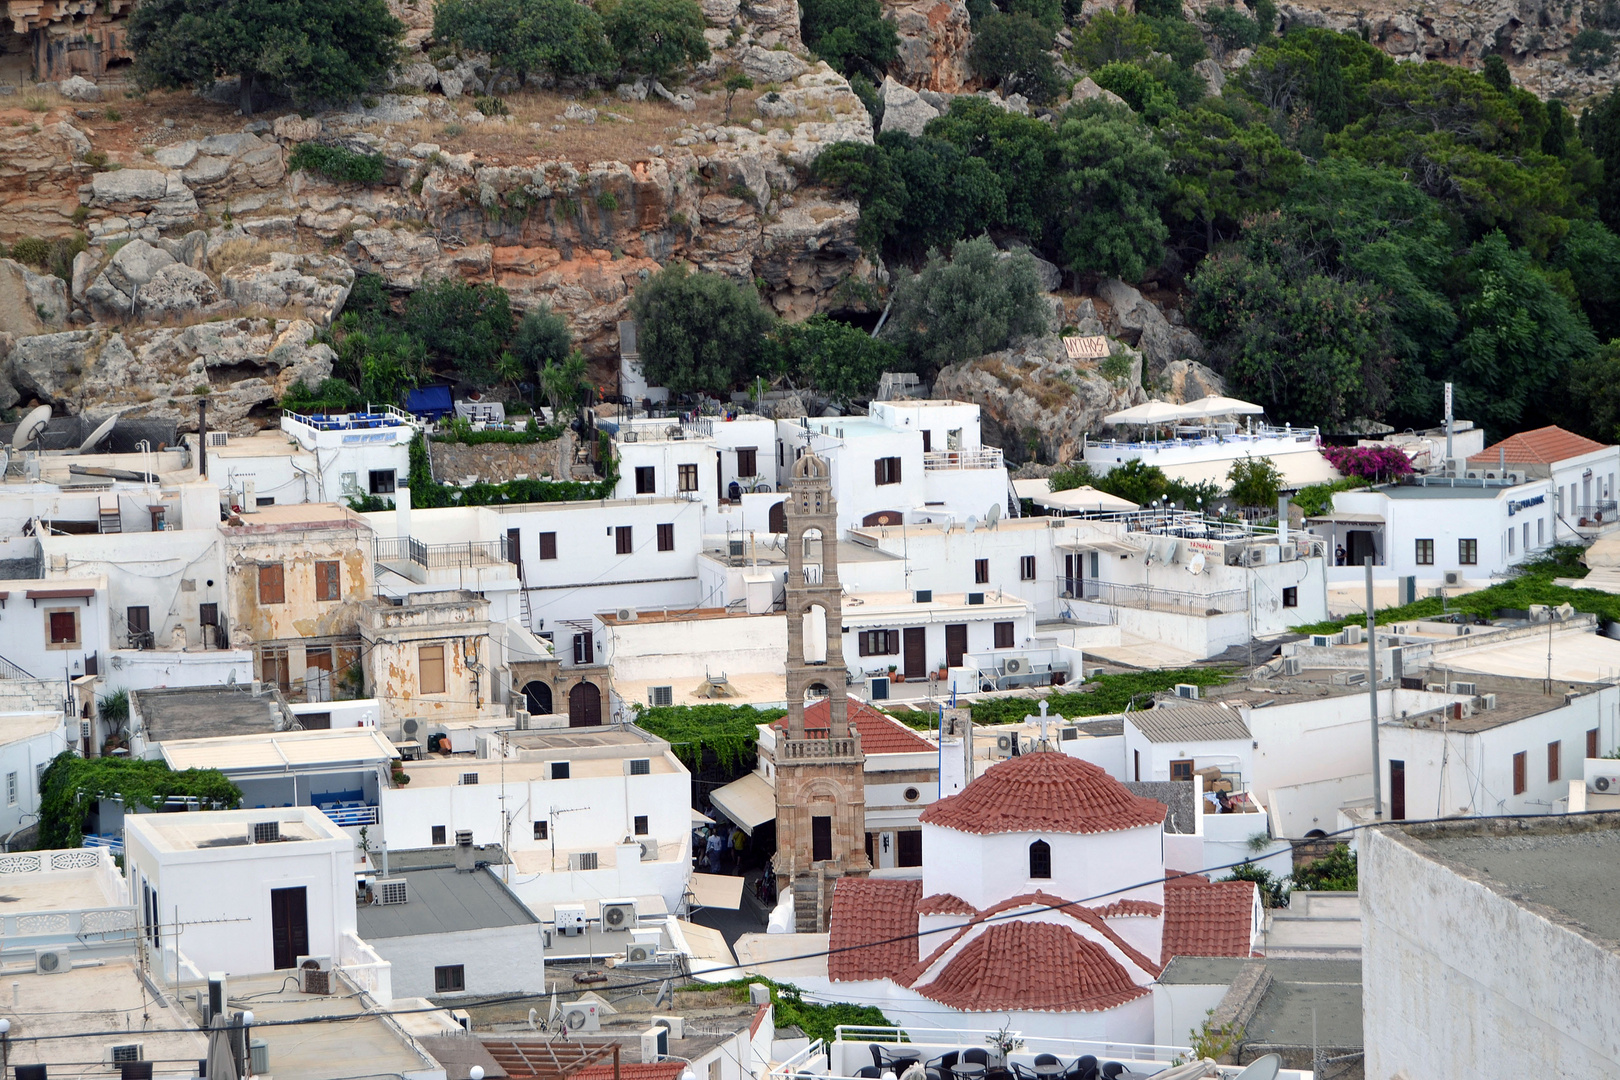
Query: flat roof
1307, 1000
1511, 706
307, 515
757, 688
1568, 864
17, 726
448, 773
1578, 655
1445, 491
199, 712
229, 828
562, 740
100, 1006
324, 1049
279, 750
444, 900
55, 890
266, 443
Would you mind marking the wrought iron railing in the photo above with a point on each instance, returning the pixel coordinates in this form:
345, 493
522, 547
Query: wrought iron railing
987, 458
1149, 597
434, 556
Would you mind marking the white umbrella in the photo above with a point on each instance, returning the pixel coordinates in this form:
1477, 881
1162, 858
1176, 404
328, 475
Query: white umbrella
221, 1061
1216, 405
1150, 412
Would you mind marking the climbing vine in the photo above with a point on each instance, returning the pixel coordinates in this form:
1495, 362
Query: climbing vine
71, 782
729, 731
428, 492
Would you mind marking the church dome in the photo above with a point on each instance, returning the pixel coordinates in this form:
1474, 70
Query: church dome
1044, 792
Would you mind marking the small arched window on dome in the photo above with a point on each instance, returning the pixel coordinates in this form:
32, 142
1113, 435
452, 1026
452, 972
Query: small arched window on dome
1040, 859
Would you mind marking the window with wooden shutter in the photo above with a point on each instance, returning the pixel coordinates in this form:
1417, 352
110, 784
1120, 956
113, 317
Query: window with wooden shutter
1554, 752
981, 571
1004, 635
64, 627
272, 584
621, 540
886, 470
1519, 783
1592, 742
328, 581
430, 669
747, 461
548, 545
666, 537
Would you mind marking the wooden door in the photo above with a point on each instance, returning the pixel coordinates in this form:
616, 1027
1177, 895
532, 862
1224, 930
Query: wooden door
514, 550
1397, 790
778, 519
584, 705
955, 644
916, 652
289, 927
1073, 571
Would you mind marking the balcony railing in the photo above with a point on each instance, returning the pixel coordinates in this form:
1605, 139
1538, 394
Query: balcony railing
1151, 598
350, 816
1598, 513
987, 458
817, 749
435, 556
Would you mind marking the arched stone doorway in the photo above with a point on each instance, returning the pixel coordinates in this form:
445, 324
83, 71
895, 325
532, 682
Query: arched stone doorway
584, 705
538, 696
778, 519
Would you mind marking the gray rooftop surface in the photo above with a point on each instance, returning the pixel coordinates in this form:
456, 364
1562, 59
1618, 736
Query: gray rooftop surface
1284, 1017
1190, 721
204, 711
1572, 872
444, 901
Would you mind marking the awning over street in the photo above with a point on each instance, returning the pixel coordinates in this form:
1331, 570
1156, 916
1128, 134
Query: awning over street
749, 802
1337, 518
1111, 547
717, 890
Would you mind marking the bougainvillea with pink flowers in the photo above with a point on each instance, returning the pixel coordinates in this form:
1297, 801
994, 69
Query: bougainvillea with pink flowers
1369, 462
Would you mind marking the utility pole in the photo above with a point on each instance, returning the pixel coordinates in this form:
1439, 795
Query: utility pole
1372, 695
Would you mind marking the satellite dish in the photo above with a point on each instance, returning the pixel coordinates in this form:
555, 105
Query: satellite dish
992, 515
1195, 565
31, 428
945, 530
971, 523
96, 436
1264, 1068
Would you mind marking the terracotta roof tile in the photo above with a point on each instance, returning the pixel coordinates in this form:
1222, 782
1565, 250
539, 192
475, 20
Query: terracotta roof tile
1032, 966
866, 914
1120, 908
879, 734
1207, 918
1543, 446
1044, 792
944, 904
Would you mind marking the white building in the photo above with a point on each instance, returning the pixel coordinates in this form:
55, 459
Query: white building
450, 931
698, 459
907, 461
253, 891
592, 813
354, 455
48, 627
1205, 454
29, 742
1582, 473
1513, 930
1440, 530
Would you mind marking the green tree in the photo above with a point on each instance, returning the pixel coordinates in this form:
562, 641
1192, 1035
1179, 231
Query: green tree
1135, 480
965, 307
851, 35
1022, 154
560, 38
1231, 27
836, 358
735, 81
464, 324
1518, 337
70, 784
1115, 36
1495, 71
949, 194
1139, 88
315, 51
1591, 50
542, 338
1600, 131
1113, 177
655, 37
563, 383
1590, 255
699, 332
1011, 50
1255, 482
1076, 474
1592, 401
1222, 172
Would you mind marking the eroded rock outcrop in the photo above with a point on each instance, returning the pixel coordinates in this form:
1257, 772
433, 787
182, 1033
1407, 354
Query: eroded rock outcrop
935, 36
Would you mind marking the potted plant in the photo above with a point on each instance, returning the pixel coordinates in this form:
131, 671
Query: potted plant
944, 673
895, 674
1003, 1042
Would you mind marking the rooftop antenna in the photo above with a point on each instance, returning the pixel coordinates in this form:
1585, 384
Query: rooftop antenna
103, 430
31, 428
992, 515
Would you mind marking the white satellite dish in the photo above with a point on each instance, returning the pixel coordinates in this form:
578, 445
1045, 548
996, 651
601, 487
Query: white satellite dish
971, 523
992, 515
31, 428
1263, 1068
945, 530
103, 430
1195, 565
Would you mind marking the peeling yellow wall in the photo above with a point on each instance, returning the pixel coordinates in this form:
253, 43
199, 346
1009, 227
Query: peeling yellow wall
301, 615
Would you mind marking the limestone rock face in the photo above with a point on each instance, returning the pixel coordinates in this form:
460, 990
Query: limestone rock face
1188, 380
770, 65
1139, 322
175, 291
30, 303
904, 110
40, 174
316, 285
79, 88
935, 36
113, 294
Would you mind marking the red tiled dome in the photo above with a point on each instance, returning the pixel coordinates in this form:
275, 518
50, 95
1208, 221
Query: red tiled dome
1033, 966
1044, 792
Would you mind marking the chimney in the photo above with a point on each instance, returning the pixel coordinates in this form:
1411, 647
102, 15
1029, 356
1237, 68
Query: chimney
402, 511
1282, 519
202, 438
466, 855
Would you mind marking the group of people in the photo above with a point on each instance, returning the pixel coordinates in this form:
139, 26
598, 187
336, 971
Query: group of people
715, 846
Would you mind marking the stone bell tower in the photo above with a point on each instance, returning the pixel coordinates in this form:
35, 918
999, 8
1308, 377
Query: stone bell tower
820, 782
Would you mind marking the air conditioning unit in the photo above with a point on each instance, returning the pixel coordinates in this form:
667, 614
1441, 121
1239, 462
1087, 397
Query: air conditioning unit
618, 914
1291, 665
1006, 745
1187, 690
570, 919
582, 860
1463, 688
218, 1000
737, 549
975, 598
1322, 641
582, 1016
264, 832
649, 850
463, 1018
522, 720
660, 696
640, 954
877, 688
655, 1040
925, 596
626, 614
676, 1025
1015, 665
1454, 577
51, 962
470, 779
481, 746
393, 891
119, 1053
1288, 552
1352, 635
1487, 702
315, 974
1254, 555
1608, 785
1356, 678
1068, 734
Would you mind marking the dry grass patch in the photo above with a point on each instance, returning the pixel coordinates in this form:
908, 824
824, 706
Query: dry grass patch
239, 252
